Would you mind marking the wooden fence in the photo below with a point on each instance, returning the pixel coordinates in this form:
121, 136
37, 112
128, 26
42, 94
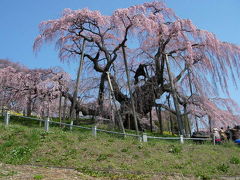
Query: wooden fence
143, 138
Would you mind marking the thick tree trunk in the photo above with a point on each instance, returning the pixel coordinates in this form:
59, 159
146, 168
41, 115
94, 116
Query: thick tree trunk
144, 96
64, 108
128, 119
150, 116
210, 123
77, 114
196, 121
48, 110
186, 121
159, 114
101, 92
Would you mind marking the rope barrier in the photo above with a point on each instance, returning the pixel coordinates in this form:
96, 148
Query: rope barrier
113, 132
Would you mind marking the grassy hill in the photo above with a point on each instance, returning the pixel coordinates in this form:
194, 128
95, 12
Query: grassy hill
111, 156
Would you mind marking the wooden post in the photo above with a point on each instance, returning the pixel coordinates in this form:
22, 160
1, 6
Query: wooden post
130, 91
7, 118
181, 139
191, 93
170, 116
71, 125
144, 137
175, 100
94, 131
114, 102
78, 82
46, 125
112, 110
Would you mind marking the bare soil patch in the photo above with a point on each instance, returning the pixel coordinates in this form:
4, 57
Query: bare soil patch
26, 172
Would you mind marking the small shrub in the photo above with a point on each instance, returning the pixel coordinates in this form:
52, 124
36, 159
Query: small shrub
124, 150
18, 155
80, 138
223, 167
179, 166
203, 176
135, 156
84, 149
124, 166
234, 160
43, 135
102, 157
175, 149
149, 162
38, 177
8, 144
110, 140
20, 151
140, 146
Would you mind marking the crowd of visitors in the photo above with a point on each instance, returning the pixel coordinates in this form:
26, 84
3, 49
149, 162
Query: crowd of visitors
229, 134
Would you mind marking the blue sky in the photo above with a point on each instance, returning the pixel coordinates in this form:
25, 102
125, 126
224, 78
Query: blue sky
20, 18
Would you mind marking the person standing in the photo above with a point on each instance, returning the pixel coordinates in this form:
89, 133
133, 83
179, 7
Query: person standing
217, 136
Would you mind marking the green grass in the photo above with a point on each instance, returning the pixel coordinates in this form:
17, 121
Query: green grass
38, 177
113, 156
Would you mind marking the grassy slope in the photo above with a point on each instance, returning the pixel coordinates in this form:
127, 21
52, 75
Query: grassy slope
79, 150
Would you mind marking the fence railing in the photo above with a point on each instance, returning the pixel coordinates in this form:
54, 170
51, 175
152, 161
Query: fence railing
144, 137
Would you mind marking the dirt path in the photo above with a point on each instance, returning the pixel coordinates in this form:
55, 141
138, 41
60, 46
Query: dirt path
25, 172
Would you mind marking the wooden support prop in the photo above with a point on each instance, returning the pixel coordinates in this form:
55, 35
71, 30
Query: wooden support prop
175, 100
78, 81
130, 91
60, 108
112, 110
114, 102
